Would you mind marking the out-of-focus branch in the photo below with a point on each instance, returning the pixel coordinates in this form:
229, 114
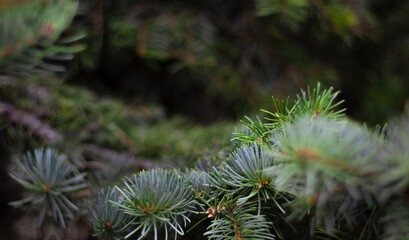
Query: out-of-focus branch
38, 92
122, 158
29, 121
5, 4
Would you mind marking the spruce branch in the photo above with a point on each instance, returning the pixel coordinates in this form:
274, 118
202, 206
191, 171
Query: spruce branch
106, 219
312, 104
48, 179
243, 175
307, 173
156, 199
253, 131
329, 166
315, 103
395, 220
284, 111
31, 42
394, 179
239, 222
29, 121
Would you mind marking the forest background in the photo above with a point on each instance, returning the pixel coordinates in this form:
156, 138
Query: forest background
121, 86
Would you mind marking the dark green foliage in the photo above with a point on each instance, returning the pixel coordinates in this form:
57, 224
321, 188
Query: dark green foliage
178, 135
100, 130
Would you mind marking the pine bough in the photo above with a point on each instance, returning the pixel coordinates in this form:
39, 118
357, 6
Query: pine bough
304, 172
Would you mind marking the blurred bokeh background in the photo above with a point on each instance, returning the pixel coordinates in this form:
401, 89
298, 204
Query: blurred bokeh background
121, 86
